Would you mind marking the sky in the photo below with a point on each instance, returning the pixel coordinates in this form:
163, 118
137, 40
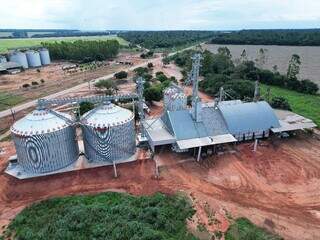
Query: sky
159, 14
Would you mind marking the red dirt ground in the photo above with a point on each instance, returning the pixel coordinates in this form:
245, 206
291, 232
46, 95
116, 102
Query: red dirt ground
277, 187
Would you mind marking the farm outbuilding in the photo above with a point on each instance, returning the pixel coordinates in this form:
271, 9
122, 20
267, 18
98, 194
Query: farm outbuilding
10, 68
249, 120
216, 123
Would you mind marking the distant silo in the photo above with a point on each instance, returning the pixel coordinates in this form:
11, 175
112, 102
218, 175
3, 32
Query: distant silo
45, 141
33, 58
108, 134
44, 56
174, 99
20, 58
3, 59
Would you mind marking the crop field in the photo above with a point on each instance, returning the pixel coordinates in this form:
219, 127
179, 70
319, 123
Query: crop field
6, 44
303, 104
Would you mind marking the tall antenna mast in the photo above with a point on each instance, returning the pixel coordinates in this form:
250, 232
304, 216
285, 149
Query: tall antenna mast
194, 75
140, 89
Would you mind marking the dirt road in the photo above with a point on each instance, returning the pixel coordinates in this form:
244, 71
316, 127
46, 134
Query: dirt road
33, 103
62, 93
277, 187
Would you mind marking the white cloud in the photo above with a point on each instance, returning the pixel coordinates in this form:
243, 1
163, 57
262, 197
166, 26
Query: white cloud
160, 14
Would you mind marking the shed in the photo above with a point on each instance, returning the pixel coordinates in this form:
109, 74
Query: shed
10, 67
249, 120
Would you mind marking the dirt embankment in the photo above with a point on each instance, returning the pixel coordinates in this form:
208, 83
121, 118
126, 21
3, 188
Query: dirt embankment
277, 187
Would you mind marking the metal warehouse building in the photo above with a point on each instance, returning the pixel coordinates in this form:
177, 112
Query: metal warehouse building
215, 123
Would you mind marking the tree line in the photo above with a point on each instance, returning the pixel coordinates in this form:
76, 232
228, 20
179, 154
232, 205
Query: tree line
85, 51
219, 70
165, 39
303, 37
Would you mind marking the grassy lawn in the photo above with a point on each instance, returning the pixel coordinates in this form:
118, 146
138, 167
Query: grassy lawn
5, 44
243, 229
7, 99
105, 216
303, 104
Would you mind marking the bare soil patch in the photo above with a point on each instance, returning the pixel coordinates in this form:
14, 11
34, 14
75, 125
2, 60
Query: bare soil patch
277, 187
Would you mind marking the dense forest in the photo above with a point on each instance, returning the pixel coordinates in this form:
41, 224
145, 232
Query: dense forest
307, 37
165, 39
83, 50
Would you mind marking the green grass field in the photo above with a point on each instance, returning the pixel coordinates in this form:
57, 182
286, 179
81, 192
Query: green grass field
7, 99
303, 104
243, 229
5, 44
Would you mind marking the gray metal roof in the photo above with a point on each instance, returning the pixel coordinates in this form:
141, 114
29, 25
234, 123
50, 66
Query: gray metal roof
183, 126
249, 117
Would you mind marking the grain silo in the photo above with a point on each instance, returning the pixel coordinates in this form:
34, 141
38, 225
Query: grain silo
20, 58
108, 134
44, 56
174, 99
33, 58
3, 59
45, 141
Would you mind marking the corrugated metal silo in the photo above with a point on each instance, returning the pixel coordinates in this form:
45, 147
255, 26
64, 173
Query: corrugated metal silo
3, 59
45, 141
33, 58
174, 99
20, 58
108, 134
44, 56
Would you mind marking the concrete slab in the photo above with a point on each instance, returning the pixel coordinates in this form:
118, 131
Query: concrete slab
15, 170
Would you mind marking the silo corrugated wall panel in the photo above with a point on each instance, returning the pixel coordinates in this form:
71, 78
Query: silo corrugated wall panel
47, 152
109, 144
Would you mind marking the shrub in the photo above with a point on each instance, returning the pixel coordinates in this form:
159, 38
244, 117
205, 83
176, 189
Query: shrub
42, 80
162, 78
166, 61
243, 229
85, 107
26, 85
141, 70
280, 103
105, 216
159, 73
150, 65
309, 87
121, 75
34, 83
153, 93
107, 85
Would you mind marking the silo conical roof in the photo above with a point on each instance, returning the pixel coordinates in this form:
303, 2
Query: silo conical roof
40, 122
106, 116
